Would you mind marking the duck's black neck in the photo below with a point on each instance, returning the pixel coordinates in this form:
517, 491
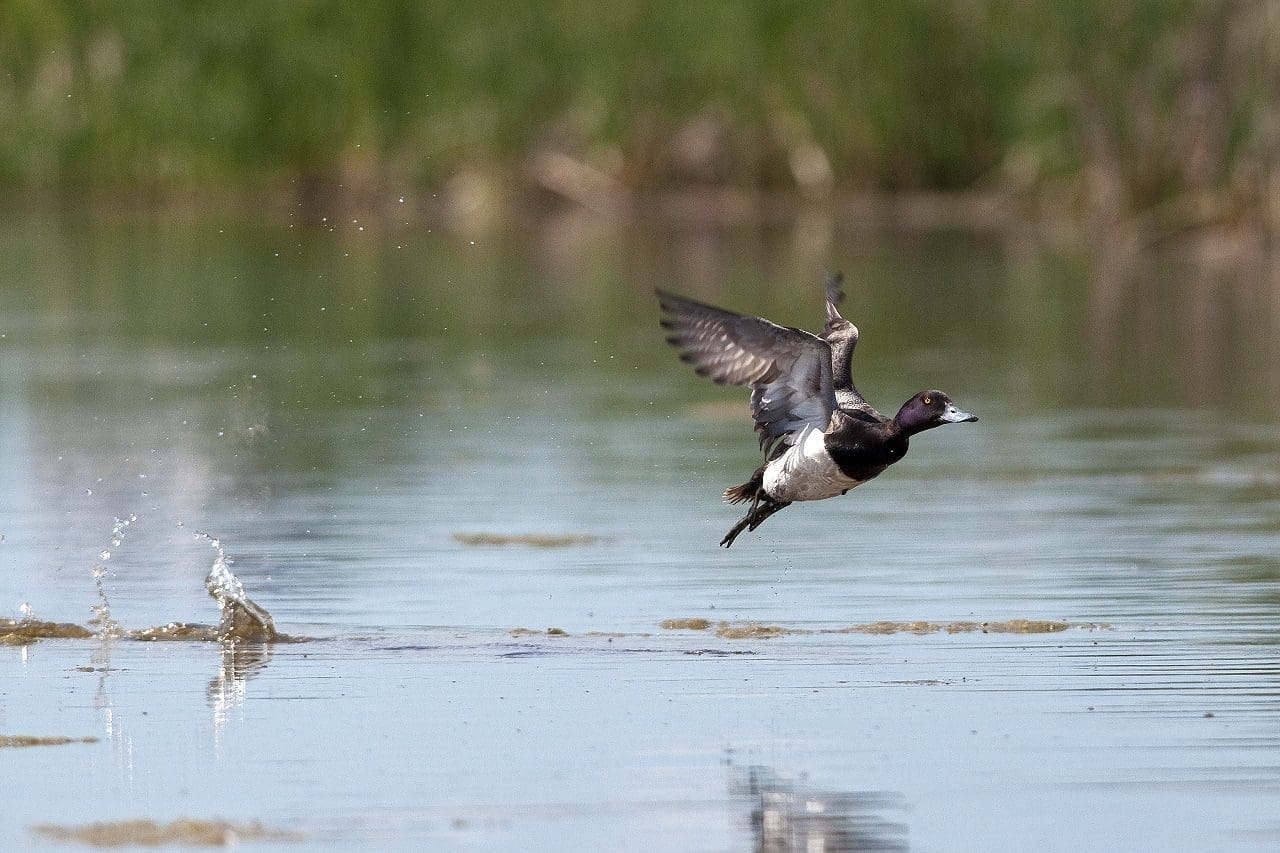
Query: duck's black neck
863, 447
841, 351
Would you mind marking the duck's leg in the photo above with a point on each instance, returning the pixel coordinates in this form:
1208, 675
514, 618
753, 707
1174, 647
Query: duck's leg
761, 508
733, 534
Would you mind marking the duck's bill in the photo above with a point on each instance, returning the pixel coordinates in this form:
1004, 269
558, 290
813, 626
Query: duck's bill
954, 416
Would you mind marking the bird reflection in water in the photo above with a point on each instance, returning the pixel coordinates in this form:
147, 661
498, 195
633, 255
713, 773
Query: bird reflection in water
789, 816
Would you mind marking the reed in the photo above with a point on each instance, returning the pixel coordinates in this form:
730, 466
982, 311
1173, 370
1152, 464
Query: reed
1155, 108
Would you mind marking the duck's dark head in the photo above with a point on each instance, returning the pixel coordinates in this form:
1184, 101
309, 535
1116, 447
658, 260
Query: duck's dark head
927, 410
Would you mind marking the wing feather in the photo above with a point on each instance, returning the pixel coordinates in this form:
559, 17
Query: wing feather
842, 336
788, 370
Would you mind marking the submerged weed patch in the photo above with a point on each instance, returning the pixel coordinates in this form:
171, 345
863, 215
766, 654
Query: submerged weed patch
186, 832
533, 540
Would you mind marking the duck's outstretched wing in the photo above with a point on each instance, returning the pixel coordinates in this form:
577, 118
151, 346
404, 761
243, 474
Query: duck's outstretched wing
788, 370
842, 336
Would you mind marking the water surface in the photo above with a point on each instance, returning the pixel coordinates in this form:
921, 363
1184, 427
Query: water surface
364, 418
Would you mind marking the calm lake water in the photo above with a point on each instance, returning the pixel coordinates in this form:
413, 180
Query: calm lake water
351, 409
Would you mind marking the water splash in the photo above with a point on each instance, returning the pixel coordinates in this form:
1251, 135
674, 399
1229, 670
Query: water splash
108, 627
243, 619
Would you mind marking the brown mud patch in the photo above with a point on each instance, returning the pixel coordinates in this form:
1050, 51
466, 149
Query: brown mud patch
19, 741
754, 630
685, 624
176, 631
186, 832
532, 540
922, 682
750, 630
533, 632
1010, 626
242, 632
18, 632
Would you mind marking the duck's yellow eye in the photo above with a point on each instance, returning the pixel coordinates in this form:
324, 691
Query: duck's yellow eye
928, 401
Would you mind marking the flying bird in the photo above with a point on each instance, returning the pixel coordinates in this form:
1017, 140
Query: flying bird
820, 438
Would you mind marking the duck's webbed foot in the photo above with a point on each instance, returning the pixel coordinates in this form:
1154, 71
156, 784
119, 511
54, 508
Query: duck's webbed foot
760, 510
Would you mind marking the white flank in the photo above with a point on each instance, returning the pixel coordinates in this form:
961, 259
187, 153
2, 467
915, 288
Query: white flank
806, 472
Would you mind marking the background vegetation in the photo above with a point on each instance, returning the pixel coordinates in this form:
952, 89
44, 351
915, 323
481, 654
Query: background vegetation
1164, 109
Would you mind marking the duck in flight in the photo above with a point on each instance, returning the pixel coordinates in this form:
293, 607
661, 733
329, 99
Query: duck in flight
819, 436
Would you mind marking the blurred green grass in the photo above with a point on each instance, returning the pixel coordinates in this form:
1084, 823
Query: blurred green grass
1161, 107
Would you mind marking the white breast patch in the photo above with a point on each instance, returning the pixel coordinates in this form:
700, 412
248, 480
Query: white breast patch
806, 472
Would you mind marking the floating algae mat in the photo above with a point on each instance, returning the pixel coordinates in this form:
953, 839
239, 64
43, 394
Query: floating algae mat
748, 630
533, 540
758, 630
184, 832
17, 632
685, 624
20, 741
531, 632
754, 630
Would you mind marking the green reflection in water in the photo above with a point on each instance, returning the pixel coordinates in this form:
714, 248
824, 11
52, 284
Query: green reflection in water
281, 324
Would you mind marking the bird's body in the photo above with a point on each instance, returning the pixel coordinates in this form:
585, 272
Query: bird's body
807, 471
819, 436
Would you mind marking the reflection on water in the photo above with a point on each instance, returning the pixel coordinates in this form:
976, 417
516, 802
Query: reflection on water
790, 817
241, 661
114, 729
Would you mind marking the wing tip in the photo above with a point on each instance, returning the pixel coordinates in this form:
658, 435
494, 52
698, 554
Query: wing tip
835, 287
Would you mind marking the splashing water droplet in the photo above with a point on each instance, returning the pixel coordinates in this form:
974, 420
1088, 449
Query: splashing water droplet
242, 617
108, 627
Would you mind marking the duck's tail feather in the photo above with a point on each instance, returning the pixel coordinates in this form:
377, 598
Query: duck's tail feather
749, 490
